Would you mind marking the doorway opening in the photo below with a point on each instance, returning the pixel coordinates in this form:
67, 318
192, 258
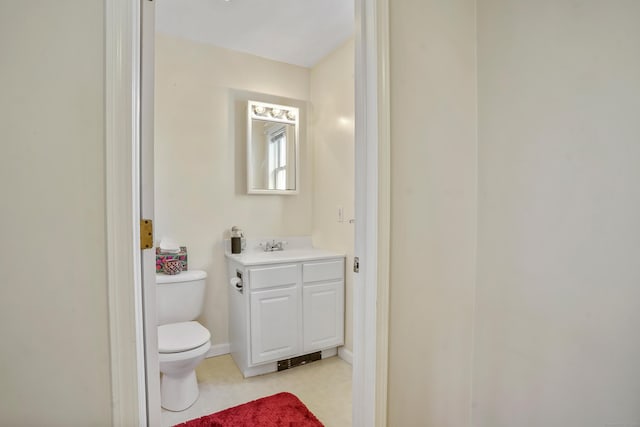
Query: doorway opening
125, 58
211, 59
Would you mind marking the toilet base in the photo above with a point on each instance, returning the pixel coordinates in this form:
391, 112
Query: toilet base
179, 385
178, 392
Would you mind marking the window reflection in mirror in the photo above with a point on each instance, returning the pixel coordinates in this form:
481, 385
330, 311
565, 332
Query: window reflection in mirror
272, 149
277, 158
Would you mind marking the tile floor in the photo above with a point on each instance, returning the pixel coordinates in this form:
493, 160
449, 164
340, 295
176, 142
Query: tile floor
323, 386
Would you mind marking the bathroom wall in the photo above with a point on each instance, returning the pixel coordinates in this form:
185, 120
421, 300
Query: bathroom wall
200, 157
332, 131
53, 292
558, 300
433, 211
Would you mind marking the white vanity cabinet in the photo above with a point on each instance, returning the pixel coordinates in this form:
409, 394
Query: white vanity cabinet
274, 324
282, 310
274, 310
322, 304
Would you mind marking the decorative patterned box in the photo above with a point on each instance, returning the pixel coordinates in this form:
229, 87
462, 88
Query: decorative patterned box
161, 257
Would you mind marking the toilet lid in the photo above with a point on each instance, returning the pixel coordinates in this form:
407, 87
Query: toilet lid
183, 336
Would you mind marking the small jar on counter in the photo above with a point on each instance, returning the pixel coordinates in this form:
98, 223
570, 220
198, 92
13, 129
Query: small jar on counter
236, 240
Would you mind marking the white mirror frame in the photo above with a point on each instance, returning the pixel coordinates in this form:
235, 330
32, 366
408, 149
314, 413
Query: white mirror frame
251, 115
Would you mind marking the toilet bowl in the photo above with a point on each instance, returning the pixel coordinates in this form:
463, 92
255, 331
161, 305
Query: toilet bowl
182, 346
182, 342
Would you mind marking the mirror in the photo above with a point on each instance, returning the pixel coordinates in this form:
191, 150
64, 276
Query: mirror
272, 148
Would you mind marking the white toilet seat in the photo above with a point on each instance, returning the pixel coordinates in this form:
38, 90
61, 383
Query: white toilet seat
181, 337
184, 355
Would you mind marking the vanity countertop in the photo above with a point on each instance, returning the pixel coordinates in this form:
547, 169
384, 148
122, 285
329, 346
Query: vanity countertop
296, 250
287, 255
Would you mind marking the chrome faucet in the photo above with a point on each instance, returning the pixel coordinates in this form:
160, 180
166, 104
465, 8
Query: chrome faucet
273, 246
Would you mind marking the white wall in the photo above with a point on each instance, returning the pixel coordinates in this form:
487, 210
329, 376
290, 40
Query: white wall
332, 132
200, 157
53, 294
557, 304
433, 211
558, 297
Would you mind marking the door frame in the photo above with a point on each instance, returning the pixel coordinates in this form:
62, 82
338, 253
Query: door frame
130, 363
372, 204
122, 148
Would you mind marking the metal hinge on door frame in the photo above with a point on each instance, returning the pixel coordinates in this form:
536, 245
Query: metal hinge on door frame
356, 264
146, 234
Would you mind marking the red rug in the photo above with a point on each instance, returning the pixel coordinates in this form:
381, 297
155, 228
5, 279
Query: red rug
279, 410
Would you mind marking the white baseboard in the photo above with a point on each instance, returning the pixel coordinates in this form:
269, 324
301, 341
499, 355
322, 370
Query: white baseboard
218, 350
345, 355
329, 352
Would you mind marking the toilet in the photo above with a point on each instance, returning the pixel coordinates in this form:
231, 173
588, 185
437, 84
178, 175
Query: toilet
182, 342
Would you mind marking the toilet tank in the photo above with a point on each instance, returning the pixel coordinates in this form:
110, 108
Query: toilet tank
180, 297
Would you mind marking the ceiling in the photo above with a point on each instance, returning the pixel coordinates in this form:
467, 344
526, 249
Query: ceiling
299, 32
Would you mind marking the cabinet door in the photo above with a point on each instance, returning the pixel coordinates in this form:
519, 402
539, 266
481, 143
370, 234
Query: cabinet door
323, 308
274, 324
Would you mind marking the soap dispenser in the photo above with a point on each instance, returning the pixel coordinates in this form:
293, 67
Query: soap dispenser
236, 240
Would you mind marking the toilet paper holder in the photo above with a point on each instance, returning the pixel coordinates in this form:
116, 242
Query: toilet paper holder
236, 282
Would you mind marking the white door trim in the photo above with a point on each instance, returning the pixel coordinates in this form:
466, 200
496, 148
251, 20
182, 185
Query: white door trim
383, 149
128, 389
371, 287
144, 170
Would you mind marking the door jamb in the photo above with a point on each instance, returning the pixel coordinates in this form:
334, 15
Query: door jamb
371, 285
122, 111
